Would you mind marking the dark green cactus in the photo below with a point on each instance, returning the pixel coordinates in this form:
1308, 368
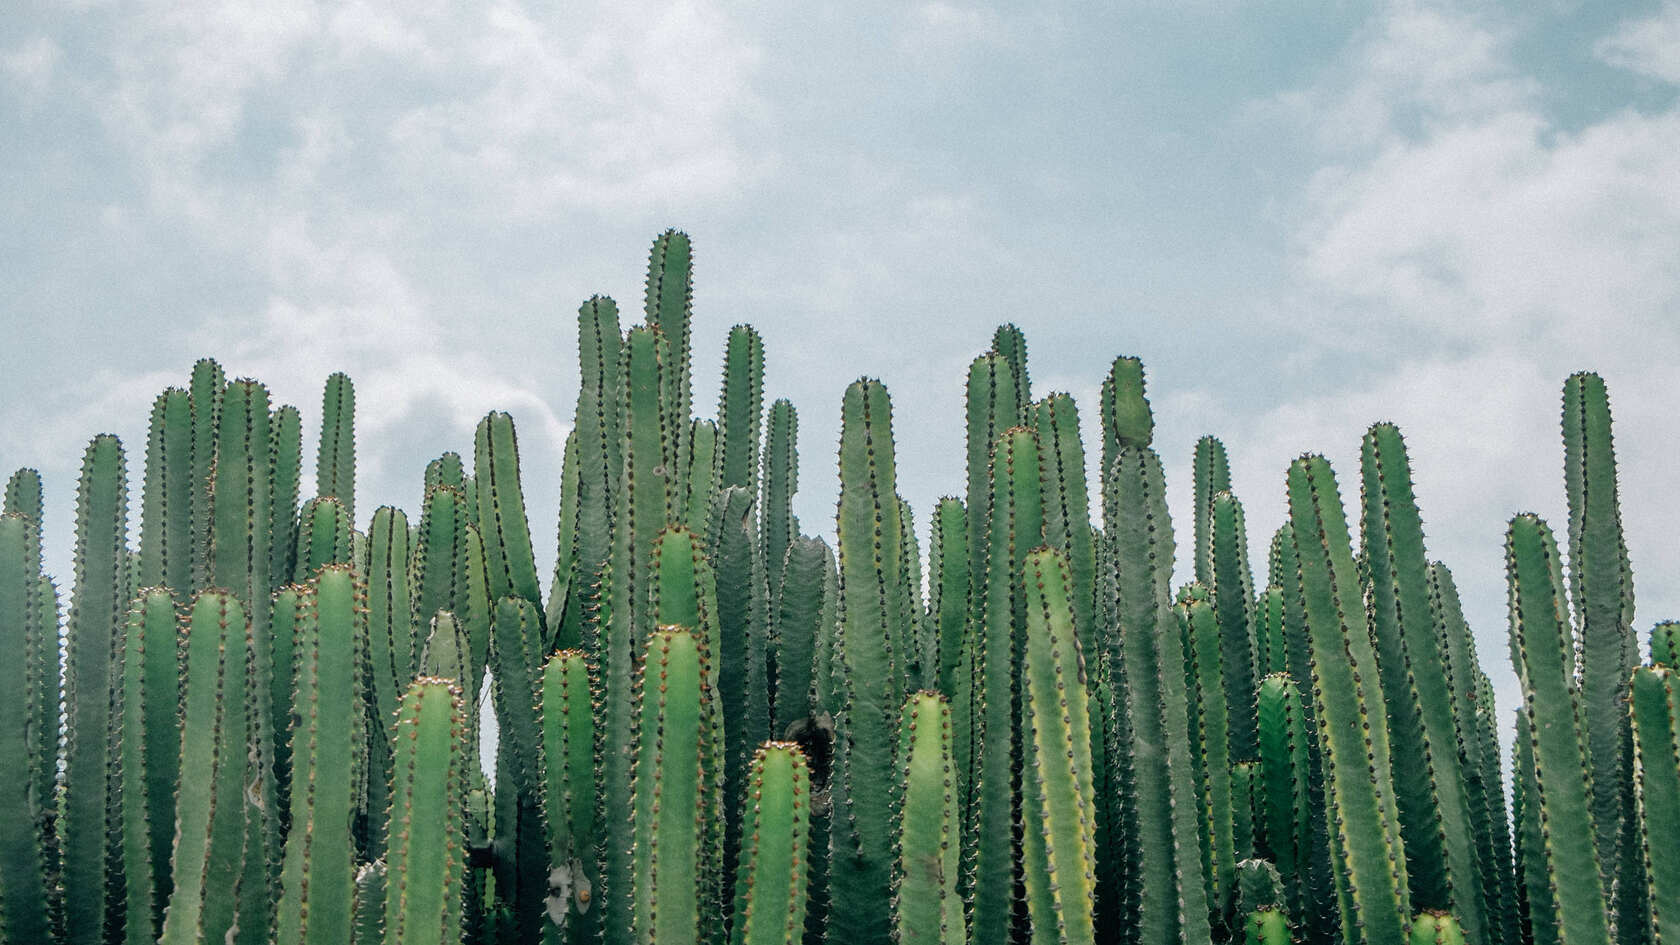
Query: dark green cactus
669, 309
799, 611
1435, 822
599, 438
447, 572
391, 660
1164, 899
565, 612
1060, 863
285, 470
742, 622
148, 751
926, 905
670, 805
205, 396
697, 480
520, 846
1665, 644
425, 862
1370, 865
1232, 586
166, 542
318, 875
370, 904
870, 680
1559, 803
25, 814
93, 636
1009, 343
570, 799
1285, 772
335, 461
772, 880
1017, 527
1656, 784
1199, 627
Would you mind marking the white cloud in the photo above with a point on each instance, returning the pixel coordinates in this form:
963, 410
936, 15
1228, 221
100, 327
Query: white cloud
31, 64
1649, 46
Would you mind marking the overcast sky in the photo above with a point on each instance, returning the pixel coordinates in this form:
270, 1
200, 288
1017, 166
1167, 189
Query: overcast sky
1303, 216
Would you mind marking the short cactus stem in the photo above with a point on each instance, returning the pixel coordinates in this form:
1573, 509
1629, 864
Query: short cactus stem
1266, 926
1436, 928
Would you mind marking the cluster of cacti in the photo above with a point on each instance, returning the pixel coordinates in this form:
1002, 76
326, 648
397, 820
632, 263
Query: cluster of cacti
258, 723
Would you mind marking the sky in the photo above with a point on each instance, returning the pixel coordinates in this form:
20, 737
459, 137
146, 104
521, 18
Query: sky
1303, 217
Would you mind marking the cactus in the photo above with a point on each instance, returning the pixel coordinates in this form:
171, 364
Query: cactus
742, 622
1200, 630
1656, 784
777, 523
1016, 528
740, 410
210, 806
24, 814
204, 395
1370, 866
1164, 897
370, 904
285, 471
798, 623
166, 543
569, 798
599, 437
870, 682
318, 875
335, 460
1665, 644
926, 906
1211, 475
521, 856
1435, 822
1285, 774
673, 743
1437, 928
1266, 926
510, 562
1060, 861
771, 882
425, 861
324, 537
148, 749
92, 639
669, 309
1559, 804
1011, 344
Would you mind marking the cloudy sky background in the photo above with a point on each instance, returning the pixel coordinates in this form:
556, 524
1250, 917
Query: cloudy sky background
1304, 217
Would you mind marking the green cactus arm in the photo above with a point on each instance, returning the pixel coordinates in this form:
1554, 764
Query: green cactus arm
1271, 652
871, 675
669, 309
1601, 590
1210, 475
991, 408
741, 645
1437, 928
23, 813
166, 546
147, 743
1655, 696
285, 470
370, 904
669, 798
426, 859
210, 805
1232, 584
740, 409
323, 537
1435, 823
1247, 827
508, 555
1665, 644
1258, 885
564, 613
92, 639
696, 484
446, 470
919, 644
599, 443
779, 482
1285, 773
393, 651
772, 881
1057, 779
1166, 898
288, 607
1205, 646
1534, 887
318, 872
204, 393
798, 615
1127, 419
926, 905
1540, 642
1067, 506
1016, 528
1010, 343
23, 490
1359, 784
570, 796
520, 837
335, 460
447, 654
1266, 926
948, 584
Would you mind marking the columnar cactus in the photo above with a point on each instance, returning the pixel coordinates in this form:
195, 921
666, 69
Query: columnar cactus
425, 862
926, 905
25, 812
772, 878
1656, 783
570, 799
